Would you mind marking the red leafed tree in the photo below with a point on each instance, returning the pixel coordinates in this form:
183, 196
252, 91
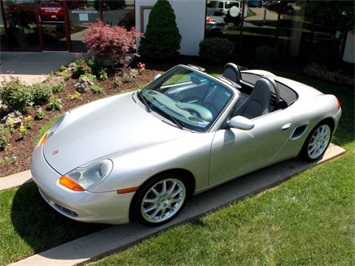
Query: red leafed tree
111, 42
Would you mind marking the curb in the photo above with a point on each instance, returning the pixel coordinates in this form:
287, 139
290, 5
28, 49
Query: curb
15, 180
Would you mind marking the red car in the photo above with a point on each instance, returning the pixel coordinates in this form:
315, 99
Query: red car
51, 11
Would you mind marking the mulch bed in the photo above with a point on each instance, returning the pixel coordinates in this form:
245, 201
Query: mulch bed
16, 156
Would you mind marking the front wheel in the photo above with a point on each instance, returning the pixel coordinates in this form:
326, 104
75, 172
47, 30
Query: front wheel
317, 142
160, 200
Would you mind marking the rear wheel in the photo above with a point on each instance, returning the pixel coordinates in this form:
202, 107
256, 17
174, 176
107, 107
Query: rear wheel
161, 199
317, 142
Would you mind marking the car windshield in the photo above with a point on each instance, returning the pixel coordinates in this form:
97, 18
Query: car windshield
190, 99
229, 5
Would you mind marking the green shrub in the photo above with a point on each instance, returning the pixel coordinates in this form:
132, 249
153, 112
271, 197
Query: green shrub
55, 104
80, 67
102, 74
16, 96
216, 50
40, 114
88, 77
42, 92
4, 136
66, 73
162, 36
96, 67
266, 54
96, 89
58, 87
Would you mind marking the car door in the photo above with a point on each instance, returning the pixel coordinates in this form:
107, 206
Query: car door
235, 152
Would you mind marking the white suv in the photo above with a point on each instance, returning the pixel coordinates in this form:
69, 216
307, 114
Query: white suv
230, 10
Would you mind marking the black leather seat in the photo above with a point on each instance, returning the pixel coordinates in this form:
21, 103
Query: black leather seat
258, 102
232, 72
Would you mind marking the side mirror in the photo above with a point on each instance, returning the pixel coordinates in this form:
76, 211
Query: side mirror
241, 122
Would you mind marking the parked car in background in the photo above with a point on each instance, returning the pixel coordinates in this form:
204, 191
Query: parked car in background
255, 3
229, 10
140, 154
214, 26
51, 11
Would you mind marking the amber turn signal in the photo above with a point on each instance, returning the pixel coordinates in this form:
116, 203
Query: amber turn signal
70, 183
44, 139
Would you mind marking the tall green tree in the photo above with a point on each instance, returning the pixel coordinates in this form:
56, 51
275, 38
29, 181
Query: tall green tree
162, 37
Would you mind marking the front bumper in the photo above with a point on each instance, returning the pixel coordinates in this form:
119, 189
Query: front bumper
104, 207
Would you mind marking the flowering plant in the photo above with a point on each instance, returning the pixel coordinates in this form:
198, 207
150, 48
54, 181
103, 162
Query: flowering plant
141, 67
23, 131
28, 122
10, 124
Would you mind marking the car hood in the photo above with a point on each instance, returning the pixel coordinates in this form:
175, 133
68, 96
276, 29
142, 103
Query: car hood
103, 129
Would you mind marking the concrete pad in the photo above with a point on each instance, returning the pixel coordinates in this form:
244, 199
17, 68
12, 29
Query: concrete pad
26, 79
117, 237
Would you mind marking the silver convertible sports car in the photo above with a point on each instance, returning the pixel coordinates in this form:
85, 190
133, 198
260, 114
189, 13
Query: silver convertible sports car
139, 155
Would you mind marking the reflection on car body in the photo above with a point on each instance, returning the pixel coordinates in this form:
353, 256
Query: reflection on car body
214, 26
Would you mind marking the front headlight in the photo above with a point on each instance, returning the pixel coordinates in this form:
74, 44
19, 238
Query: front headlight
55, 127
87, 176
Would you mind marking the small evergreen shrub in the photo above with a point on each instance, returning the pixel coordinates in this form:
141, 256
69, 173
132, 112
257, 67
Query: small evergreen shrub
42, 92
110, 42
216, 50
16, 96
4, 136
162, 37
266, 54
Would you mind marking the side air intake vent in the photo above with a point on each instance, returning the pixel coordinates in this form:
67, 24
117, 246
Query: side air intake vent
299, 131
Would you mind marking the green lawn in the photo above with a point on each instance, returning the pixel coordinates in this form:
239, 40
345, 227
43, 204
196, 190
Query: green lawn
308, 220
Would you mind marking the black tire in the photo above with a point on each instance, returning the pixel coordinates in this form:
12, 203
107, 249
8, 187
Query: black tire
317, 142
160, 199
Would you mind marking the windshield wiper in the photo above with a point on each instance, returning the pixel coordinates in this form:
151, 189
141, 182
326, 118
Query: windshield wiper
173, 119
144, 101
149, 109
